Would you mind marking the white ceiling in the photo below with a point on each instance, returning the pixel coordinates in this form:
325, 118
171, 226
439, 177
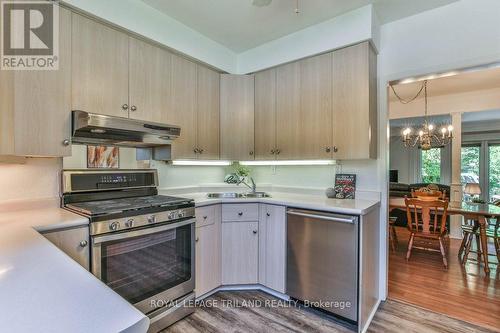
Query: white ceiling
460, 83
240, 26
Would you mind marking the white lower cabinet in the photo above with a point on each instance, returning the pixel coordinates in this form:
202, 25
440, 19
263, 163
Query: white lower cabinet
272, 246
238, 244
240, 252
208, 250
74, 242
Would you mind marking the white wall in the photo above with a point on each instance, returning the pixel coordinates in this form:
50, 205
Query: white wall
38, 178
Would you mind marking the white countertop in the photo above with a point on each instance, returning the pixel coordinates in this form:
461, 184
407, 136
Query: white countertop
44, 290
304, 201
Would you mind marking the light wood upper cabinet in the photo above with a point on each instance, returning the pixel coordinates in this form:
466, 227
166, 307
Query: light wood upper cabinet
183, 107
288, 113
208, 98
265, 115
149, 81
355, 102
99, 68
315, 131
237, 117
35, 105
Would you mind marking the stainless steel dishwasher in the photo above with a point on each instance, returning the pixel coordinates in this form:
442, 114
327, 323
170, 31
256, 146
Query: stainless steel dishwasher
322, 261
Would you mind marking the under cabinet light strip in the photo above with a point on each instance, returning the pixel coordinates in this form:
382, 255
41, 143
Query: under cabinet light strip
290, 162
207, 163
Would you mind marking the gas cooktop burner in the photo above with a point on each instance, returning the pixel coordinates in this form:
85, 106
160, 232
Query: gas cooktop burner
100, 207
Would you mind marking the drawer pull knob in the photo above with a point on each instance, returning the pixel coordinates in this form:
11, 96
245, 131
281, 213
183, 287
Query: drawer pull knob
255, 232
240, 213
197, 239
268, 214
205, 217
84, 243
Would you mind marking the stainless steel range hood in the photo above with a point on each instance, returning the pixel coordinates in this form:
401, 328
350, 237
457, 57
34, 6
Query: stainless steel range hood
91, 128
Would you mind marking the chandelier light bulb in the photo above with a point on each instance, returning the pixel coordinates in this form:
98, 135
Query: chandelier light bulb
450, 128
431, 127
421, 133
443, 130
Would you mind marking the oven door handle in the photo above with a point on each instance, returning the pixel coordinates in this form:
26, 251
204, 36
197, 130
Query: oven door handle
142, 232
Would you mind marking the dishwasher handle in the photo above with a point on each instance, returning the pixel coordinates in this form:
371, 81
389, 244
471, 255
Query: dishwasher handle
323, 216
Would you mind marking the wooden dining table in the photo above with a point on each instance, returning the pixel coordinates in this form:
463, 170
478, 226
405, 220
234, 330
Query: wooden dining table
469, 210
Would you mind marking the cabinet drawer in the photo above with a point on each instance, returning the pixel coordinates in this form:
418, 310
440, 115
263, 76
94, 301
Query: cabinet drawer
240, 212
206, 215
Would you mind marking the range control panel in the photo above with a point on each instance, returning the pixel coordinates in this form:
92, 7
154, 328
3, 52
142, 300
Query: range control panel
130, 222
77, 181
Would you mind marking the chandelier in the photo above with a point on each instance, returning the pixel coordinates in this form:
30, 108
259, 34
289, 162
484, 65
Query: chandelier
428, 136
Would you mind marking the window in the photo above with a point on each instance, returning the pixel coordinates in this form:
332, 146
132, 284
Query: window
431, 166
470, 164
494, 171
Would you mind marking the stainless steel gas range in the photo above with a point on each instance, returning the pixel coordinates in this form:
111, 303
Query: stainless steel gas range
142, 243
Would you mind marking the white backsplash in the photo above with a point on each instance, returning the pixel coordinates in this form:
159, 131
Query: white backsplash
37, 178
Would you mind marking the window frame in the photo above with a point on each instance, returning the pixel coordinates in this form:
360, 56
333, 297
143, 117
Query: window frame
484, 164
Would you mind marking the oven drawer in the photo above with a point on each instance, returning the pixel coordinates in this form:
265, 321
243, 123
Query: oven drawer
240, 212
207, 215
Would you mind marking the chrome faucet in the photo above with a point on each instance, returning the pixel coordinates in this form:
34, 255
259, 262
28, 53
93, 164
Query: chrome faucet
253, 187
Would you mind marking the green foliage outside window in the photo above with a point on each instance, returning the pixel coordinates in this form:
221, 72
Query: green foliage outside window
494, 171
431, 166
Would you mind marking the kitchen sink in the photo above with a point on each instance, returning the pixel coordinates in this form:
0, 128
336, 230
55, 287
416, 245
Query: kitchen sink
237, 195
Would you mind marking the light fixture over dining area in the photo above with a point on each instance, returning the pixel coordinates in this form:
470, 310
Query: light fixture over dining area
428, 136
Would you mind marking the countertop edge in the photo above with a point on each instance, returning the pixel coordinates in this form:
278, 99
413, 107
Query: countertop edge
370, 204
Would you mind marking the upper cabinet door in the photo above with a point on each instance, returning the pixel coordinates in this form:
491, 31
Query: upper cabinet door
265, 115
237, 117
149, 81
208, 113
42, 103
288, 115
99, 68
315, 131
355, 102
183, 107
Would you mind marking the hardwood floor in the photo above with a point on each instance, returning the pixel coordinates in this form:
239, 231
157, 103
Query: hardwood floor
462, 292
236, 311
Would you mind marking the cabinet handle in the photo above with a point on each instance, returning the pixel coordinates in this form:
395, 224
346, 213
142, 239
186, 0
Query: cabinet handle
273, 151
277, 151
335, 149
197, 239
254, 232
328, 149
240, 213
200, 151
205, 217
133, 108
125, 107
66, 142
268, 214
84, 243
251, 152
195, 150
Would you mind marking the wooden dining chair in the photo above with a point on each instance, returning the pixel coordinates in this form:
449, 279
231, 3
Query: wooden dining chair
427, 221
393, 237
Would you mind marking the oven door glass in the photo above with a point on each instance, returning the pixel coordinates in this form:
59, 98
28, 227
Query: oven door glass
140, 267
